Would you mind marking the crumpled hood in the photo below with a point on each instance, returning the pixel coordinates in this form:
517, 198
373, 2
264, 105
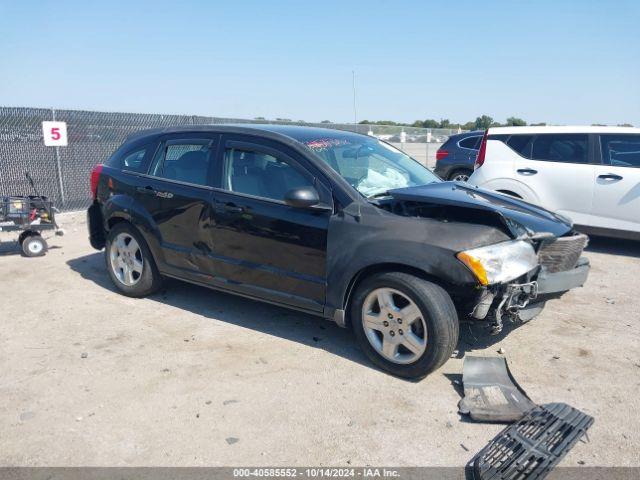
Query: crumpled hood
519, 217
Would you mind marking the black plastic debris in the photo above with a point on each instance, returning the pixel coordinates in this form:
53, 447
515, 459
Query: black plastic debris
531, 447
490, 392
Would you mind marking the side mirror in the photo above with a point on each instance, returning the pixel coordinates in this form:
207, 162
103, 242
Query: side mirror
302, 197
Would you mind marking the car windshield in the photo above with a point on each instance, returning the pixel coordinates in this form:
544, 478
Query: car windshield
369, 165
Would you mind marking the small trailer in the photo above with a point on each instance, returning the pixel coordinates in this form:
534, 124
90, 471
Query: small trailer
31, 215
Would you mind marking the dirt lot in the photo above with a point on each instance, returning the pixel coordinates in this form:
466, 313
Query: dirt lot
196, 377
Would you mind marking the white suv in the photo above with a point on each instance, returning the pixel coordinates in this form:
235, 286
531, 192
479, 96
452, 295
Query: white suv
590, 174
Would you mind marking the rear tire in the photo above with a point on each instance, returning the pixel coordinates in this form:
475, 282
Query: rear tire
436, 312
33, 245
461, 175
129, 262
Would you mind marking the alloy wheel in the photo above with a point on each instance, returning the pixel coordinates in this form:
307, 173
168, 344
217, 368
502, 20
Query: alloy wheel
125, 257
460, 177
394, 325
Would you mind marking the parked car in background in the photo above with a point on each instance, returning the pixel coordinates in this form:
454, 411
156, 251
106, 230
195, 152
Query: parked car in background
589, 174
455, 158
331, 223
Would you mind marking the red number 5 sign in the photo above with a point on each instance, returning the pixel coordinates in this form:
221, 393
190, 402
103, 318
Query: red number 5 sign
55, 134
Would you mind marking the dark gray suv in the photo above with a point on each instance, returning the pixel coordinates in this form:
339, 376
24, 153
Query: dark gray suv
455, 158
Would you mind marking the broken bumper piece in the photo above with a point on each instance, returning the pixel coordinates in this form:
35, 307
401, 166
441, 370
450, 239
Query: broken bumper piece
565, 280
534, 445
490, 392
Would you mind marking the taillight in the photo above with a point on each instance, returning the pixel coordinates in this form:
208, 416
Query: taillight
440, 154
482, 152
95, 178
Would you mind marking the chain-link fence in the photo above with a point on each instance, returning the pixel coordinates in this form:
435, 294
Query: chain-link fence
62, 173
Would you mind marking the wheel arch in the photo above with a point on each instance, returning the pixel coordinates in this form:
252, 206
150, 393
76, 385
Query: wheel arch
521, 190
123, 208
459, 169
510, 193
115, 220
385, 267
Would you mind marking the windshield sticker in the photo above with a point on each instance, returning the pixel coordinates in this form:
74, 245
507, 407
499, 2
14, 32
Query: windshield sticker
324, 143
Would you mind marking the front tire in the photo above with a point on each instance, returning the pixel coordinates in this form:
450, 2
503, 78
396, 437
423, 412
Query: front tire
129, 262
404, 324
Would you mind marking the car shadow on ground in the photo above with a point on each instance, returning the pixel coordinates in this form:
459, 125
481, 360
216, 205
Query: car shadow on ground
10, 248
272, 320
476, 335
614, 246
14, 248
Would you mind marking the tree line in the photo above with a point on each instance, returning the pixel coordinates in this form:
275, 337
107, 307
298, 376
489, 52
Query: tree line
481, 123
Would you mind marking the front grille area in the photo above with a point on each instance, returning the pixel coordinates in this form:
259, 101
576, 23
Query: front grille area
534, 445
562, 253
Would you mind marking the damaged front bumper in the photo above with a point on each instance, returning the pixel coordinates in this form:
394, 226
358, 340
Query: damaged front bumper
523, 301
549, 283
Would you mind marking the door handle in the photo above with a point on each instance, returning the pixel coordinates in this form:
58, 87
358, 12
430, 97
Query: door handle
527, 171
232, 208
610, 176
148, 190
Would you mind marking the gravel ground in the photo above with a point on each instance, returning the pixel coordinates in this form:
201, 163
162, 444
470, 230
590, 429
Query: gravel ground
195, 377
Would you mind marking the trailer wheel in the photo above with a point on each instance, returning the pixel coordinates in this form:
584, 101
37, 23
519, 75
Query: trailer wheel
34, 245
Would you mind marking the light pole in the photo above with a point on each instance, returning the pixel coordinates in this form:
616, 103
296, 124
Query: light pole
355, 113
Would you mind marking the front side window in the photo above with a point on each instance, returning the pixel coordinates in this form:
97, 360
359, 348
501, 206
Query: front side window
566, 148
621, 150
183, 161
260, 174
369, 165
472, 143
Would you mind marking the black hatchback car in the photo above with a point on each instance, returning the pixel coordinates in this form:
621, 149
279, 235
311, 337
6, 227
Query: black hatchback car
331, 223
456, 156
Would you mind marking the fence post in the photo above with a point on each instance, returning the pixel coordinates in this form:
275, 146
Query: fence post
429, 137
59, 167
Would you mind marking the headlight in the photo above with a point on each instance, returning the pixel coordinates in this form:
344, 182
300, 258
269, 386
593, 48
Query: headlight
500, 262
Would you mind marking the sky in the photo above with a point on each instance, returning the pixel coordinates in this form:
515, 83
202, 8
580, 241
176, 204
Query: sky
561, 62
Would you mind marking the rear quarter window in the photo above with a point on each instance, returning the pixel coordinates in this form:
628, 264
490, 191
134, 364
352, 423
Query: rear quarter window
521, 144
133, 159
472, 143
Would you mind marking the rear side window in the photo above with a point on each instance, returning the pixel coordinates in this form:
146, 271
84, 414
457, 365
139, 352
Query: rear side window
183, 161
566, 148
621, 150
521, 144
472, 143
